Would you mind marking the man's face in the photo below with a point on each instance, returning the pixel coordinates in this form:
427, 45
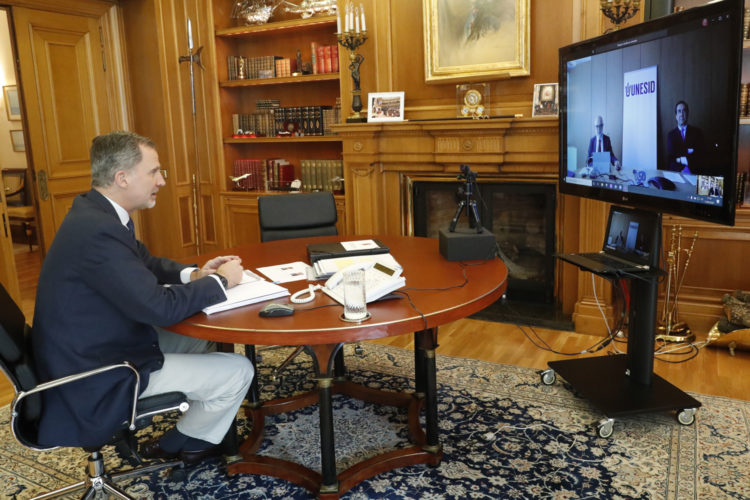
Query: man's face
143, 181
599, 127
681, 114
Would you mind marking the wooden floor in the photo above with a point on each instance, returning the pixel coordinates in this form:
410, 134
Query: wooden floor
713, 371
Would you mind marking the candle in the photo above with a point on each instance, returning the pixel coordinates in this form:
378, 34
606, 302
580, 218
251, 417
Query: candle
356, 19
347, 26
338, 22
362, 10
351, 17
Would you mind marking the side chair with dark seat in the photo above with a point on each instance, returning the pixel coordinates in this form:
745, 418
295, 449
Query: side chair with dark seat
16, 361
298, 215
20, 210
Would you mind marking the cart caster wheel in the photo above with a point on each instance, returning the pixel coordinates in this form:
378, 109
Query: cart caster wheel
359, 350
548, 377
606, 427
686, 416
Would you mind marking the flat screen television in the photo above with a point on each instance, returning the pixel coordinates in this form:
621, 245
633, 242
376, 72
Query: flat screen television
649, 114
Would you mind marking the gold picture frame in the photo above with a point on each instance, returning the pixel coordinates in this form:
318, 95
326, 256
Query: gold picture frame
12, 103
465, 40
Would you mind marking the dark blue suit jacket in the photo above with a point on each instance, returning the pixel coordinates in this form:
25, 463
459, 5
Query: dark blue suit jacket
99, 293
676, 147
606, 146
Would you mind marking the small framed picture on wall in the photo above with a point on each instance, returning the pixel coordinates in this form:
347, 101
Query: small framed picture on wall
16, 139
12, 103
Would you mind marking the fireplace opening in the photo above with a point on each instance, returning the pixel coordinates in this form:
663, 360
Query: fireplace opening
522, 218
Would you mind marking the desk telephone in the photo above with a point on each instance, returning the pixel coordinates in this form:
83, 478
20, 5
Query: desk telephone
380, 280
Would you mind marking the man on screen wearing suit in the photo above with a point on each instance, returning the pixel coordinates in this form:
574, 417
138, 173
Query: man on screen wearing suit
684, 143
100, 292
601, 143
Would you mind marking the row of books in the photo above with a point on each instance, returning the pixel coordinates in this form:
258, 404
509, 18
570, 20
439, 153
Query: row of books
746, 25
745, 100
325, 58
247, 68
296, 120
277, 174
322, 175
252, 174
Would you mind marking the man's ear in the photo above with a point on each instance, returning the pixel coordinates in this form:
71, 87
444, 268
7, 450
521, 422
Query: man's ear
121, 179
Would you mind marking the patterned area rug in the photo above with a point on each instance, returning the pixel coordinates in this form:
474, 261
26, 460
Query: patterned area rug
504, 435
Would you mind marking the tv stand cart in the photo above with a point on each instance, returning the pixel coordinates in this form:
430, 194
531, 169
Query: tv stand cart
625, 384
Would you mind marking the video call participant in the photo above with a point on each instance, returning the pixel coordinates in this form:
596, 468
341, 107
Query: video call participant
100, 292
684, 143
601, 143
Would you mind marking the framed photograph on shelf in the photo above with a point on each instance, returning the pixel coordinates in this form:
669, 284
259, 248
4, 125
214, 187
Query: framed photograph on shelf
466, 40
16, 139
546, 101
12, 103
385, 106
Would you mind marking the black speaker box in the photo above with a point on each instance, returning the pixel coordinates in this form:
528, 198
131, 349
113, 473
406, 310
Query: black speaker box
467, 244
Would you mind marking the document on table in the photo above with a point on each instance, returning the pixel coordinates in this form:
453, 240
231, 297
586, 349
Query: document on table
251, 289
284, 273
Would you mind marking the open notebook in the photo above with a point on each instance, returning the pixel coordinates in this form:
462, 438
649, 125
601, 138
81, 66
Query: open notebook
251, 289
631, 243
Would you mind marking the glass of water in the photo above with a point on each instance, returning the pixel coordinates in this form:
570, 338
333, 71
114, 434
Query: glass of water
355, 305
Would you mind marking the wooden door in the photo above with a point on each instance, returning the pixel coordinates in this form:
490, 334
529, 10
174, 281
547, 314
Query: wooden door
65, 95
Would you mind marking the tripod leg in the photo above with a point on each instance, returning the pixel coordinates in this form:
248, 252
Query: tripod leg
461, 205
475, 215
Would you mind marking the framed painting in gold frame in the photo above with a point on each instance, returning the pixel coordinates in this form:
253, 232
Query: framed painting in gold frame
466, 40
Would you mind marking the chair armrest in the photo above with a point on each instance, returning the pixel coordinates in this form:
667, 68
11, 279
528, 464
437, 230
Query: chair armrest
79, 376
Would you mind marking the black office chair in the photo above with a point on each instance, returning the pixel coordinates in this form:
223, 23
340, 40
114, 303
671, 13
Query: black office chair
17, 363
298, 215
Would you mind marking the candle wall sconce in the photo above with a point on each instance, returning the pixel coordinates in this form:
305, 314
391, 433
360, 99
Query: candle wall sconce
619, 11
352, 37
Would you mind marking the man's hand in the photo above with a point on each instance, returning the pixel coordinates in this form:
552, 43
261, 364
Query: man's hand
232, 271
212, 266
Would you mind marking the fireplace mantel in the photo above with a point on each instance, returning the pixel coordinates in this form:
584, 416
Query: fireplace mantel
381, 160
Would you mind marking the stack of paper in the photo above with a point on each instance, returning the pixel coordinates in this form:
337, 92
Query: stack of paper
251, 289
325, 268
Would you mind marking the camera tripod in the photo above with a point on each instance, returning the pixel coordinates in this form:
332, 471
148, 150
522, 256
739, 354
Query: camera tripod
469, 203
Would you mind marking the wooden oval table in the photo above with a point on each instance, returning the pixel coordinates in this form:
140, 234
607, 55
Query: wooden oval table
437, 292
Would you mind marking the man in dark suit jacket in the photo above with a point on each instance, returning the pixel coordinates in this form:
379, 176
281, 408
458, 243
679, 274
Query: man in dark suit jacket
100, 292
601, 142
685, 145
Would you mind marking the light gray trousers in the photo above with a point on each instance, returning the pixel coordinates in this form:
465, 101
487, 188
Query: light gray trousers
215, 383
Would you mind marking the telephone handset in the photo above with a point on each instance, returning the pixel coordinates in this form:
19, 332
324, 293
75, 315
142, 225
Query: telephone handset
338, 277
380, 280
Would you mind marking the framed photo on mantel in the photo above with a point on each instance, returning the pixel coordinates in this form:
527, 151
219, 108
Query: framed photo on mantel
385, 106
469, 40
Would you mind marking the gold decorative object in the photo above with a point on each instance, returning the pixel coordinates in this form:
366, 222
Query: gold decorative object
353, 35
472, 100
670, 328
619, 11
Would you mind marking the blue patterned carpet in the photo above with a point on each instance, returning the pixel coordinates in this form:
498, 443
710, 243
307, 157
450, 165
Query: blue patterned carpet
504, 435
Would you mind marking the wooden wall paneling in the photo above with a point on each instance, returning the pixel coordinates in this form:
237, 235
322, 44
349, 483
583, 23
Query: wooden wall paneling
240, 219
715, 267
157, 37
8, 273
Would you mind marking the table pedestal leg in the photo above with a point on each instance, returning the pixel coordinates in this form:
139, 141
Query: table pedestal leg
426, 341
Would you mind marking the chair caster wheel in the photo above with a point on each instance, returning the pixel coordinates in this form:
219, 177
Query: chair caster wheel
548, 377
686, 416
178, 474
606, 427
359, 351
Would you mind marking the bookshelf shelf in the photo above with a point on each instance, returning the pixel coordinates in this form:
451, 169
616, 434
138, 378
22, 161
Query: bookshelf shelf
294, 25
272, 140
321, 77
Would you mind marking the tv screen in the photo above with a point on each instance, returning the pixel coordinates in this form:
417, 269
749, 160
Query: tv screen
649, 114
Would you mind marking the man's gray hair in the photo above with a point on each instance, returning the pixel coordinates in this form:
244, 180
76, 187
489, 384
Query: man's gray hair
115, 151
